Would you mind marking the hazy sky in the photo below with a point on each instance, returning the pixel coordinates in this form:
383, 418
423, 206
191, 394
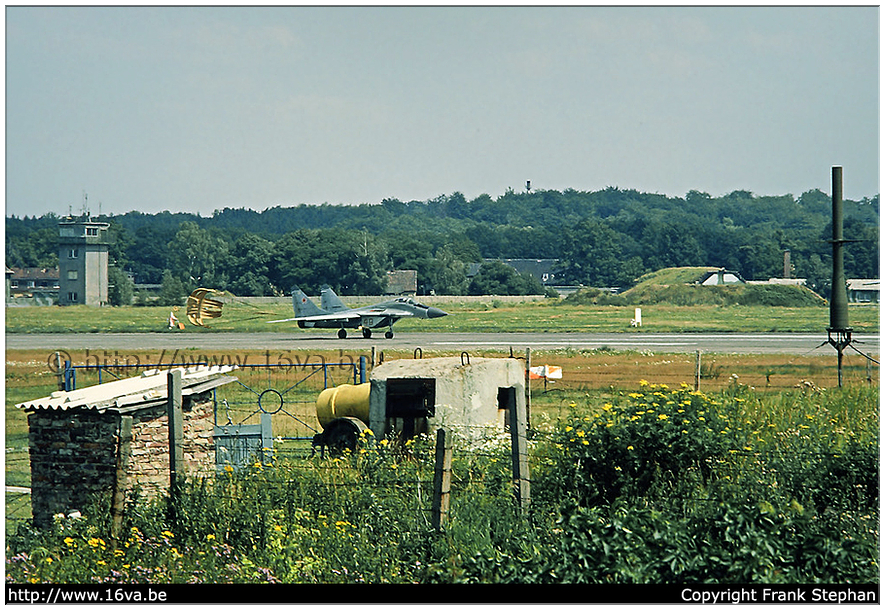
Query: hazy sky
196, 109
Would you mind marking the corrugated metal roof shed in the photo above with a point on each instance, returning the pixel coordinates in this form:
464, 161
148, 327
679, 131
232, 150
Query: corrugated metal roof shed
146, 390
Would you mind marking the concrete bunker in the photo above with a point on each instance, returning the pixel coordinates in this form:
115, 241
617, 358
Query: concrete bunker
404, 398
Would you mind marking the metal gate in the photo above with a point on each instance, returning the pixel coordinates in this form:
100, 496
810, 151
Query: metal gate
240, 445
282, 395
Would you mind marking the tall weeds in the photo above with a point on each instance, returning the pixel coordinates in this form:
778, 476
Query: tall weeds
657, 485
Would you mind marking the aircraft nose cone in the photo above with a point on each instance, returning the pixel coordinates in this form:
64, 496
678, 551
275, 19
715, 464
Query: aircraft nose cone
433, 312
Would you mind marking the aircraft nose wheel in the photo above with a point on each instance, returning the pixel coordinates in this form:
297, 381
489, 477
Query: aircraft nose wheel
388, 334
367, 333
342, 333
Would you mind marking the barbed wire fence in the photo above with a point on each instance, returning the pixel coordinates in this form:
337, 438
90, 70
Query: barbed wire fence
435, 483
454, 465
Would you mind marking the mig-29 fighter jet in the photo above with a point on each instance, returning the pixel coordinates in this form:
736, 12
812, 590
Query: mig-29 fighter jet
333, 313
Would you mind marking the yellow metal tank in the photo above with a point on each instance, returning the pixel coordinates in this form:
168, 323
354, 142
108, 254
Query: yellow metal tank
343, 401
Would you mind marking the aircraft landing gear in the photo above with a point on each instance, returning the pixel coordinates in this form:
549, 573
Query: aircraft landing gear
388, 334
342, 334
367, 333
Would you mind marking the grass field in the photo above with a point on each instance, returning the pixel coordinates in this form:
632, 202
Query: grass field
587, 373
549, 315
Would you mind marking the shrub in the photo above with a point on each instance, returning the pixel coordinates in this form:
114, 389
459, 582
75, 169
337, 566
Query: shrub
622, 450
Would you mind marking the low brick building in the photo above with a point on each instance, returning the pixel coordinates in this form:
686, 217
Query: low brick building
113, 438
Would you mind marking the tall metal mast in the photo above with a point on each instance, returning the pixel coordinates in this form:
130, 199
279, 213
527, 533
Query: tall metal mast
838, 332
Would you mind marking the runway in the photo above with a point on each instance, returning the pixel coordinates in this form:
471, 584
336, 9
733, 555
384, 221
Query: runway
763, 343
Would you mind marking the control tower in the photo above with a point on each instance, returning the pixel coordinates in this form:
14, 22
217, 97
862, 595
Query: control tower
83, 262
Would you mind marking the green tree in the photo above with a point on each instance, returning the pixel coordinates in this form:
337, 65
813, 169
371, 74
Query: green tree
252, 260
448, 274
148, 252
592, 255
120, 287
36, 248
499, 278
670, 245
172, 290
198, 258
352, 262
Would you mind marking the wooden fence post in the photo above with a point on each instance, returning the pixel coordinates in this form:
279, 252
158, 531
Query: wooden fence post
124, 451
528, 385
519, 455
176, 434
442, 478
697, 371
61, 372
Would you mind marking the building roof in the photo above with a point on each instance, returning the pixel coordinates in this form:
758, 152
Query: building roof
857, 284
402, 281
540, 268
724, 272
34, 273
146, 390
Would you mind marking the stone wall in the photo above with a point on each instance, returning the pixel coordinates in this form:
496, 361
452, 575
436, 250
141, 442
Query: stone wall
74, 453
73, 456
148, 471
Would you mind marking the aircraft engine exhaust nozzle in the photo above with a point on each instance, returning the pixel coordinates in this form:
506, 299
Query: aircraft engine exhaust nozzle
435, 312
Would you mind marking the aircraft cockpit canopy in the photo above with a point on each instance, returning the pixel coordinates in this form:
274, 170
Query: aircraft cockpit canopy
410, 301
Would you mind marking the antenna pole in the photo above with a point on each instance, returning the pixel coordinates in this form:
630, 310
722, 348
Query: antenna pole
838, 333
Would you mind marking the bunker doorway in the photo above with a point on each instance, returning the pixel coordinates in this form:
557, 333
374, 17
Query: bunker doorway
506, 403
410, 402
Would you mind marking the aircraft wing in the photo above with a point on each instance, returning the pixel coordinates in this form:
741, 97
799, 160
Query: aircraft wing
343, 315
374, 310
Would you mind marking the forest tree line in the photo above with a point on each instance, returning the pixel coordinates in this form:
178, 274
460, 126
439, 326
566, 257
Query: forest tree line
605, 238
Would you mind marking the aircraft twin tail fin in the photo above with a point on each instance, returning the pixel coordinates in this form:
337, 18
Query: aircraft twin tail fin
303, 306
330, 301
